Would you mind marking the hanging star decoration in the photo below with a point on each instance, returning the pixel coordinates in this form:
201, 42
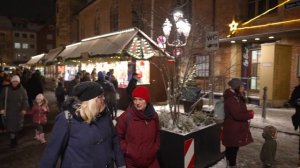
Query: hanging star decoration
233, 27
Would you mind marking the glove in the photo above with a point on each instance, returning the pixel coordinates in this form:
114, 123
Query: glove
251, 114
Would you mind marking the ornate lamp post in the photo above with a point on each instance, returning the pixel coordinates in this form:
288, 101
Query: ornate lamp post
182, 32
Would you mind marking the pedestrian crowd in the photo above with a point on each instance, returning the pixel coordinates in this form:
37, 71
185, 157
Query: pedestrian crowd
84, 134
18, 91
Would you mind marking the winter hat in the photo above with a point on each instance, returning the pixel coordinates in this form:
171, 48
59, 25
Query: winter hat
100, 75
87, 90
15, 78
141, 92
234, 83
269, 130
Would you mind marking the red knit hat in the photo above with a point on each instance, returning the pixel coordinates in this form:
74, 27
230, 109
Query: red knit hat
141, 92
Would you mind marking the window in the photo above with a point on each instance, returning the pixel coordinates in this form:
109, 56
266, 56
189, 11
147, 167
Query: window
32, 36
202, 66
137, 14
49, 46
17, 34
31, 46
17, 45
257, 7
185, 6
25, 45
114, 16
49, 37
97, 22
255, 69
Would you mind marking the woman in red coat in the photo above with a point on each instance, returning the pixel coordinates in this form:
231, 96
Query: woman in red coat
236, 126
138, 131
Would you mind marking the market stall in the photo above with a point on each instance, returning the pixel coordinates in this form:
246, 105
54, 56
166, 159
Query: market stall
36, 62
125, 52
53, 64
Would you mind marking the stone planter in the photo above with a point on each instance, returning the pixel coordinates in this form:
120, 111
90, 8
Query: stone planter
175, 151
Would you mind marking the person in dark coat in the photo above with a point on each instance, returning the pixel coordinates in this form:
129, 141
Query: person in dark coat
109, 93
295, 102
92, 140
72, 83
131, 85
35, 86
60, 93
138, 129
236, 129
268, 150
13, 104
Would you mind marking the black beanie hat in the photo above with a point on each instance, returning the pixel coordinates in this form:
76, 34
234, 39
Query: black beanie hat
87, 90
234, 83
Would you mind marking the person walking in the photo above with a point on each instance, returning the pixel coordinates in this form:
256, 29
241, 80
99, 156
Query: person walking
13, 105
60, 93
109, 93
236, 128
131, 85
83, 135
39, 114
295, 102
138, 130
35, 86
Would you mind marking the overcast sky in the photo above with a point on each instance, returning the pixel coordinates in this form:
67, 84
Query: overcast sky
33, 9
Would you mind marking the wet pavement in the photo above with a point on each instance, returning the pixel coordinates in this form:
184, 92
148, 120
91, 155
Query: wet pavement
28, 153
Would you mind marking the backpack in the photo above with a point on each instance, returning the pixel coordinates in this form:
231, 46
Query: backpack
219, 113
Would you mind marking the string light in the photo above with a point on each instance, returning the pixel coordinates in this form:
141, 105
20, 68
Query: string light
269, 24
233, 30
265, 12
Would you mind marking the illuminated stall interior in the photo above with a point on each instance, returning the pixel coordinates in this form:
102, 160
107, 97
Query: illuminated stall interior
125, 52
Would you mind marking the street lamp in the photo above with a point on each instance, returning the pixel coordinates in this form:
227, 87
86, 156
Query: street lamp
182, 32
183, 28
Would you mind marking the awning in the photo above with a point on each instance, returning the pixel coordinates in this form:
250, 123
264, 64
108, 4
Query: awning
114, 43
52, 54
68, 51
35, 59
84, 47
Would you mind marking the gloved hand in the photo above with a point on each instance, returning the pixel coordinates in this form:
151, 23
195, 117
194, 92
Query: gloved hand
251, 114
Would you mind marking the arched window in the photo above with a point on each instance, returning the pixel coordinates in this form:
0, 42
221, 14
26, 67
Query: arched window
114, 16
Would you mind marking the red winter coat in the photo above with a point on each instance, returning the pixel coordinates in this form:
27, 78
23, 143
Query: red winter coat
139, 137
39, 115
236, 129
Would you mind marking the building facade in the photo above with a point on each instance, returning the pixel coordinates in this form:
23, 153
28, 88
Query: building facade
263, 50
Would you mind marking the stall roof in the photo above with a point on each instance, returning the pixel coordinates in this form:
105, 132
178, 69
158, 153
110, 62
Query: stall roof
69, 50
35, 59
52, 54
84, 47
107, 44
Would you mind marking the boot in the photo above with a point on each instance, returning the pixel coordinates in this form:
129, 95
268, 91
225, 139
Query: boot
42, 138
37, 135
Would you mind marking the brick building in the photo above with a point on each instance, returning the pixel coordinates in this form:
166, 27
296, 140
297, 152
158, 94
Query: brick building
263, 52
